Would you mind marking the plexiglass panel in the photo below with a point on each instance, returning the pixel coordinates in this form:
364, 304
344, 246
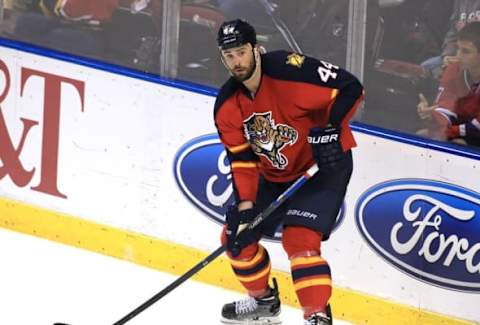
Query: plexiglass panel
419, 69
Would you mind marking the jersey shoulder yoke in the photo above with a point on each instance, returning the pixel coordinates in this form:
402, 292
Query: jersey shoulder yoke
290, 66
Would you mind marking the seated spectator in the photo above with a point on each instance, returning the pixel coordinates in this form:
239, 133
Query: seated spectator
91, 12
466, 125
247, 9
314, 27
132, 37
456, 112
464, 11
24, 5
73, 25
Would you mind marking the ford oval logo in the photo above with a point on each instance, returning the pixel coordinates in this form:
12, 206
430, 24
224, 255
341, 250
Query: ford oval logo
203, 174
428, 229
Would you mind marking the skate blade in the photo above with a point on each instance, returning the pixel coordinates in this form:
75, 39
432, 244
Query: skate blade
274, 320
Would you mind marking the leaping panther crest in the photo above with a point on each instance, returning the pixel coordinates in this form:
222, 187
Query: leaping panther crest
268, 139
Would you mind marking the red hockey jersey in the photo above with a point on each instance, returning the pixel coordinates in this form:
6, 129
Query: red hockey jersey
267, 134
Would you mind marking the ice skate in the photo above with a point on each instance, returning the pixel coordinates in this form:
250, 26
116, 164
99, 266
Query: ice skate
320, 318
254, 311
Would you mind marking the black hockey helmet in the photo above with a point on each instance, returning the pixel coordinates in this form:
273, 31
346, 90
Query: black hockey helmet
235, 33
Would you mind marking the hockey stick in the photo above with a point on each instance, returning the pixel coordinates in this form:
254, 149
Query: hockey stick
219, 251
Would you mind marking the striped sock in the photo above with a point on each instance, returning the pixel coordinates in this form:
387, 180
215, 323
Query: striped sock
312, 282
253, 273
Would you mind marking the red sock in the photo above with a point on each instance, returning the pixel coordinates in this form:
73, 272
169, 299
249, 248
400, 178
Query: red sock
312, 282
252, 268
310, 272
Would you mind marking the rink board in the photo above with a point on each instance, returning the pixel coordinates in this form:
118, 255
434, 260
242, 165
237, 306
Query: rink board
132, 168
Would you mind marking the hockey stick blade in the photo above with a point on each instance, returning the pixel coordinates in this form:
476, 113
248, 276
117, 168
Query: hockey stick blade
220, 250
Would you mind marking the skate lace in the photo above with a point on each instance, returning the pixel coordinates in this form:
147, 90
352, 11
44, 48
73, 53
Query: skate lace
245, 306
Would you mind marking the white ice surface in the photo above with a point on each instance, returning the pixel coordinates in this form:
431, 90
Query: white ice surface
43, 282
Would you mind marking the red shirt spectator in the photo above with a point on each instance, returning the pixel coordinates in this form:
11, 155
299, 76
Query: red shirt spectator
455, 83
458, 107
456, 114
91, 11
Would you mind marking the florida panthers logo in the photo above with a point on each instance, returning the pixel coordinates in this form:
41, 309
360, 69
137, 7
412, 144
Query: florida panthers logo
268, 139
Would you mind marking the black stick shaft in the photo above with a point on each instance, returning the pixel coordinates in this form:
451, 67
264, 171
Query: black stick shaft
219, 251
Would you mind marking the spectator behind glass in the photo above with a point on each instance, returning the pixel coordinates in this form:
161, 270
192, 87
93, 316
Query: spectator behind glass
91, 12
321, 28
318, 26
456, 113
73, 26
251, 9
23, 4
463, 12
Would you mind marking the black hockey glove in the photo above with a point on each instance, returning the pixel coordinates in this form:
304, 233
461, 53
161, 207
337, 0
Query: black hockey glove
236, 221
326, 148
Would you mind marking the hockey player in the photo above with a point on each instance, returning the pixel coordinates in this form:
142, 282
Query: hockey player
277, 115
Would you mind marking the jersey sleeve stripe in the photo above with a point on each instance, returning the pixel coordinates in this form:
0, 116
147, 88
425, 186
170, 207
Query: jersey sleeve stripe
334, 93
239, 148
238, 164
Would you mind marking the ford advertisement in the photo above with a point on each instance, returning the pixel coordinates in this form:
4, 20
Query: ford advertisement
428, 229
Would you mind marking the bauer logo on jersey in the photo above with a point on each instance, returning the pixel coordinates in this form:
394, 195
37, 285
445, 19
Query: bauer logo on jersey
425, 228
296, 60
268, 139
